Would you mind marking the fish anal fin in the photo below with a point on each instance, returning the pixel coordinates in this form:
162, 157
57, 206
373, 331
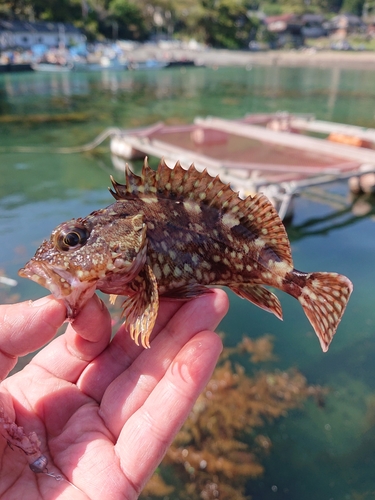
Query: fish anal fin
186, 292
324, 298
259, 296
141, 308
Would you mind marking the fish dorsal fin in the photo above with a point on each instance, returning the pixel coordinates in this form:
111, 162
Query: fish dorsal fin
255, 213
260, 217
135, 185
174, 183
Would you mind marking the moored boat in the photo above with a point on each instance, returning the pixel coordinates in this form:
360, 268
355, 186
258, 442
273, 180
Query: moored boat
47, 66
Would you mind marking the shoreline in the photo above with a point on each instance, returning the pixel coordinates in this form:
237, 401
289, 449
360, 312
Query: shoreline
311, 57
290, 58
214, 58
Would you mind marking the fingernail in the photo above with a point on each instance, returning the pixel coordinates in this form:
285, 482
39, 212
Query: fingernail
41, 302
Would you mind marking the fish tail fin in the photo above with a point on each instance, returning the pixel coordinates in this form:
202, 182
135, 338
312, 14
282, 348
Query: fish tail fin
324, 298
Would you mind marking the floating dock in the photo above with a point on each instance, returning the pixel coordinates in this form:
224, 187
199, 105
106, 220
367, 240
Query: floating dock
279, 154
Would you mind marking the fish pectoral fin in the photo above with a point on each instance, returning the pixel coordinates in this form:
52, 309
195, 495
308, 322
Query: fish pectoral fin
141, 309
259, 296
186, 292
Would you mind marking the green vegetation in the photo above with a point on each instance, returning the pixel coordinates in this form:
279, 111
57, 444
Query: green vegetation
220, 23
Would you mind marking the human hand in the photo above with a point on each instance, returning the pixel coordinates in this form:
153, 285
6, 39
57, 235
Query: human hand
104, 411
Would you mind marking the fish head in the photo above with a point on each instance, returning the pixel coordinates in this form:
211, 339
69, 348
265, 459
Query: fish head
98, 252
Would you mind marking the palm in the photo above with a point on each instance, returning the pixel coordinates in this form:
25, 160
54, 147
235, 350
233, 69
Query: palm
106, 412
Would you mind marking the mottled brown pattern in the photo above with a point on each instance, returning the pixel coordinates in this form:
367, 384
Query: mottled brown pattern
173, 232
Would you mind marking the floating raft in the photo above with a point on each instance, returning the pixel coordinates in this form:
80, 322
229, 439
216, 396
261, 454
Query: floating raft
279, 154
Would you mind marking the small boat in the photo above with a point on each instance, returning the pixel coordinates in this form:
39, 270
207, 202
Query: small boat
113, 63
86, 66
46, 66
15, 67
278, 154
148, 64
178, 63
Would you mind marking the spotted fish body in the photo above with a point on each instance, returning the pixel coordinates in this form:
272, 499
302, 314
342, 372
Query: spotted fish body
173, 233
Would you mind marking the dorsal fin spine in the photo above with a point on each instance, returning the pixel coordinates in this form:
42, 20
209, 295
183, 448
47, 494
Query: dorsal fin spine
256, 212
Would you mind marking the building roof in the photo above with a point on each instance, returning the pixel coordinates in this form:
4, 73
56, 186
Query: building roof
281, 18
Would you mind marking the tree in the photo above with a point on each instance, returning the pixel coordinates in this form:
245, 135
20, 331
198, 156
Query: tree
353, 7
56, 10
226, 23
129, 19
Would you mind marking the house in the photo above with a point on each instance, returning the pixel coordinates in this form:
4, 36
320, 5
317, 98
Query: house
314, 26
345, 24
24, 35
286, 29
279, 24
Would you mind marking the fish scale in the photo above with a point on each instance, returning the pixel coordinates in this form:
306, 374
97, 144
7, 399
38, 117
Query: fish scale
174, 233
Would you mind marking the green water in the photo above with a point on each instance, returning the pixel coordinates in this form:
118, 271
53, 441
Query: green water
318, 453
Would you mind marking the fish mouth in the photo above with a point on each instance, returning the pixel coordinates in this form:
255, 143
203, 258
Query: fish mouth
62, 284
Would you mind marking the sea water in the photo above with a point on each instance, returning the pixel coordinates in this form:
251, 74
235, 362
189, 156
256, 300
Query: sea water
318, 453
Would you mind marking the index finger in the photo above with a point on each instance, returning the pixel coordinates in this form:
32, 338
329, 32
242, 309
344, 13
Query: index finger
27, 326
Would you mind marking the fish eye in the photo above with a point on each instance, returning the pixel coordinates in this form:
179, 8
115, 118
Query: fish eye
71, 238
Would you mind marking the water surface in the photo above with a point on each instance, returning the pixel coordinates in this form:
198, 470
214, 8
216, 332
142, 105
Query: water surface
318, 453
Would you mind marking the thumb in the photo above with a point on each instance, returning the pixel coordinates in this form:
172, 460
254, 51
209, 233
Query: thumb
27, 326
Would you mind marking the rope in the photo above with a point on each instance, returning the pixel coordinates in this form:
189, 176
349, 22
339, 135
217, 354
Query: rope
75, 149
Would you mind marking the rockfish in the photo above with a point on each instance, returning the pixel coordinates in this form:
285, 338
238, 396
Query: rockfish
173, 233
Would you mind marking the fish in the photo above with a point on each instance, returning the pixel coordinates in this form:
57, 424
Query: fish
175, 233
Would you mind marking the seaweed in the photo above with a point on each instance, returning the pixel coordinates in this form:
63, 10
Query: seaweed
220, 446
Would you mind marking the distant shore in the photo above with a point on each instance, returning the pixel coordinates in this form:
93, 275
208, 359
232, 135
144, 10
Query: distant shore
221, 57
360, 60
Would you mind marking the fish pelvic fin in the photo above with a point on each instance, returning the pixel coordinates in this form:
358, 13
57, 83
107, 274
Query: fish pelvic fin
324, 298
259, 296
